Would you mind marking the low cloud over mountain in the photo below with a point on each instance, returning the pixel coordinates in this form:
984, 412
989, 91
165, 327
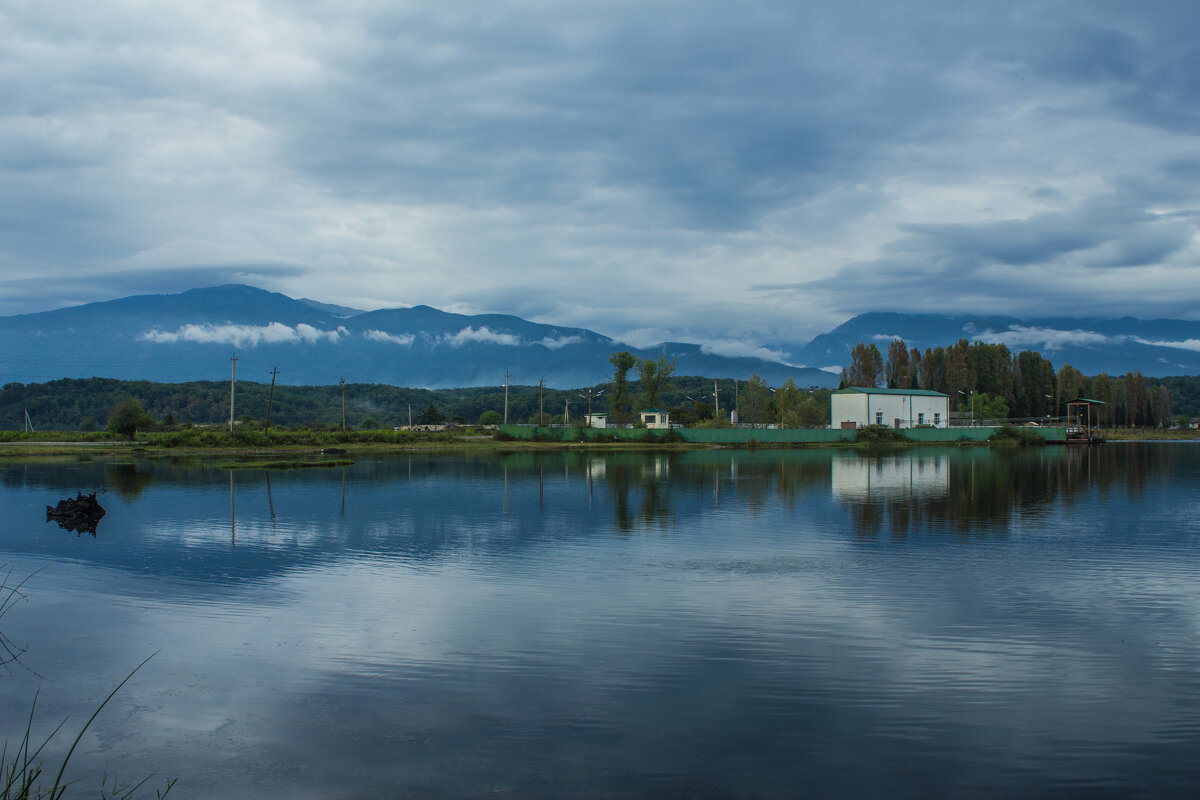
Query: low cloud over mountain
193, 335
1153, 347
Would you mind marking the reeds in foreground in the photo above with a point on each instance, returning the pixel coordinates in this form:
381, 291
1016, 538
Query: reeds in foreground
21, 773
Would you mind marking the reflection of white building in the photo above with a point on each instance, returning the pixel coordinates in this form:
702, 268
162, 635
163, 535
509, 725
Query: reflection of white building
855, 477
659, 468
857, 406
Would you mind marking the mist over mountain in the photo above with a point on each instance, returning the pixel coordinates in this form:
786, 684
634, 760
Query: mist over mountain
1158, 347
194, 334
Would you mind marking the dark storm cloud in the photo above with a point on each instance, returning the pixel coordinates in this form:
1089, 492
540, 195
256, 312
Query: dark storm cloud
1097, 254
1114, 239
533, 116
633, 167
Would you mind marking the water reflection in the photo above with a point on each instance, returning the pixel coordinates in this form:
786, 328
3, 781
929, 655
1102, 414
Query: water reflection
232, 512
863, 477
714, 624
972, 491
128, 481
186, 521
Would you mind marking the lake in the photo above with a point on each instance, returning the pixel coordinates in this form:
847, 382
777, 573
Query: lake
719, 624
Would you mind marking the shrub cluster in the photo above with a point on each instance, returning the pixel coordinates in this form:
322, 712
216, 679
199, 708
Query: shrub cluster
876, 435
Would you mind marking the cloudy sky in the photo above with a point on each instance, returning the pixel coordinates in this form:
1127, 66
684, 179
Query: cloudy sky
738, 172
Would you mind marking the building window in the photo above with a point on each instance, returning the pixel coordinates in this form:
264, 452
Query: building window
921, 418
878, 417
937, 419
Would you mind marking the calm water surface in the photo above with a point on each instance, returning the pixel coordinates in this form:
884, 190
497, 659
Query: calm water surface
709, 624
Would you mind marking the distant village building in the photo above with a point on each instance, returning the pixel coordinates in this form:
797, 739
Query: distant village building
596, 420
857, 406
656, 418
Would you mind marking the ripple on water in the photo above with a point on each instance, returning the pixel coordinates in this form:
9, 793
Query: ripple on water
724, 625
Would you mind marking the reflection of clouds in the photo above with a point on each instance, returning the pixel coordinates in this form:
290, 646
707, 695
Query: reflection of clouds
573, 658
251, 532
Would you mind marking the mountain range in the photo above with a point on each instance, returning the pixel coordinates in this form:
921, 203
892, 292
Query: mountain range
193, 335
1158, 347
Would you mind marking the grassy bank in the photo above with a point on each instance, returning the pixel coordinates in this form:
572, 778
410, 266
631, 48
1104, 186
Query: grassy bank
295, 445
194, 437
285, 464
212, 441
1150, 434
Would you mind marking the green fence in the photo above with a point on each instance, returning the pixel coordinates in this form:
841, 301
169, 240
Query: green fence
759, 435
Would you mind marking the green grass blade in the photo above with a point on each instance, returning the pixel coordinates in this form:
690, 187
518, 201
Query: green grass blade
55, 792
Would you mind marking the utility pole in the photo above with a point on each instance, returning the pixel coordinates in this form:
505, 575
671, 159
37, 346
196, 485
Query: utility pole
716, 400
541, 383
566, 413
410, 416
343, 405
590, 396
271, 396
232, 381
505, 398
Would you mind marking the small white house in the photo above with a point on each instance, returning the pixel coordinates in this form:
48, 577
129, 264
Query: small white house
596, 420
857, 406
656, 418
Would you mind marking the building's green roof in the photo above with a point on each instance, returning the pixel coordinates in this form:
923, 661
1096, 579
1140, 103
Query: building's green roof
654, 411
869, 390
1088, 400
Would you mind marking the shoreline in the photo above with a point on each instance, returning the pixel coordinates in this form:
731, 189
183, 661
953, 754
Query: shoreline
152, 446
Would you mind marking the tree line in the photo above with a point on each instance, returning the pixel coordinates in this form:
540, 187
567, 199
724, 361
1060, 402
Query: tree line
697, 401
1000, 384
996, 383
637, 384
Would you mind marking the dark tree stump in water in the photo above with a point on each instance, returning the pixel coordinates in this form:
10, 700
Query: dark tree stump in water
80, 514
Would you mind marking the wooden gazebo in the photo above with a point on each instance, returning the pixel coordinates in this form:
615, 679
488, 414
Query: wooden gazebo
1082, 423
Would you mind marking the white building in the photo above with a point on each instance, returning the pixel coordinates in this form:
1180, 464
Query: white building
857, 406
656, 418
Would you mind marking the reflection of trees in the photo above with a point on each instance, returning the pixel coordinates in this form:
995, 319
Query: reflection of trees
619, 479
796, 476
980, 488
656, 502
628, 473
983, 487
987, 487
701, 481
127, 480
